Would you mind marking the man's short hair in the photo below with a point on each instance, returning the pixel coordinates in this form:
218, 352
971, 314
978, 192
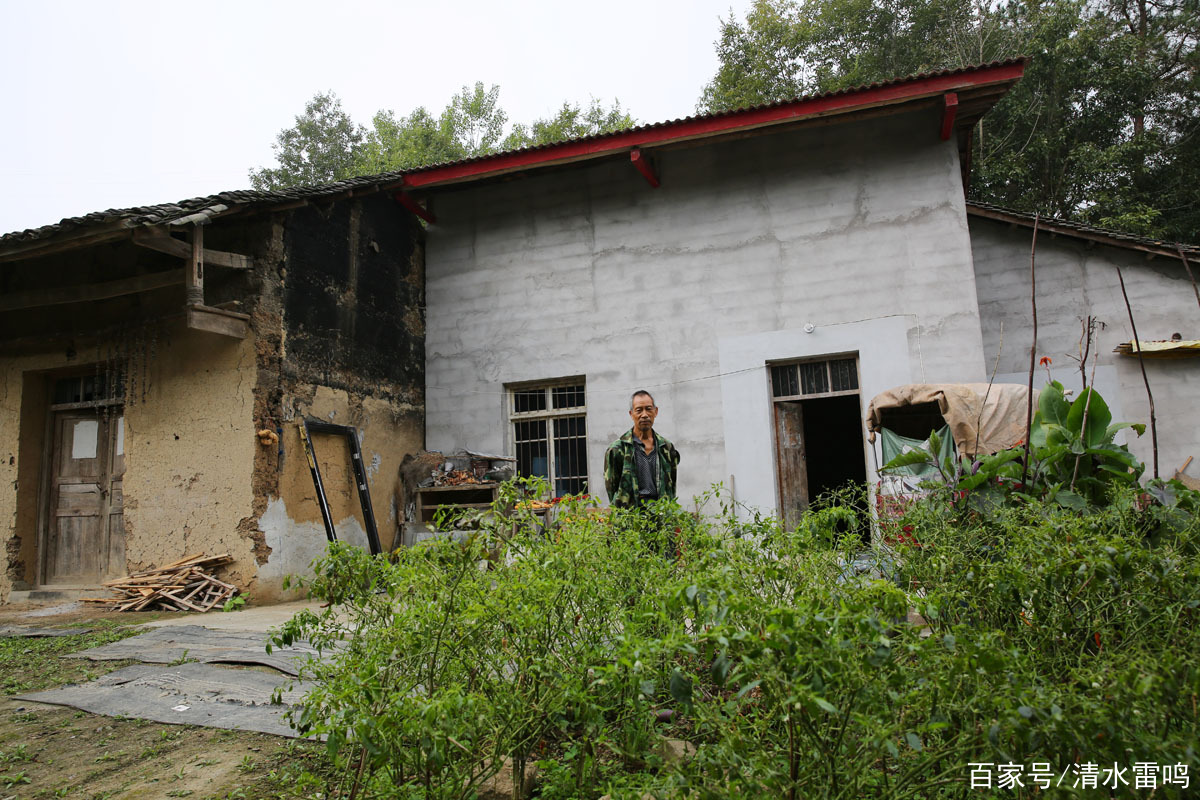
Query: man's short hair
638, 394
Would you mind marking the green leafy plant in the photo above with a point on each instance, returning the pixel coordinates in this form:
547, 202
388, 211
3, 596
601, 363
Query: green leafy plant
17, 755
781, 663
235, 603
12, 779
1074, 461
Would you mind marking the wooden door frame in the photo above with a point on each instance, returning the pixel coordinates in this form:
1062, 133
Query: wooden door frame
48, 465
775, 403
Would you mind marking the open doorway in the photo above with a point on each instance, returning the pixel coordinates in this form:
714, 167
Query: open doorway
818, 431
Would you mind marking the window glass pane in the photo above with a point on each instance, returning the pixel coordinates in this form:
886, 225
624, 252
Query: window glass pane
532, 452
526, 400
784, 381
66, 390
814, 377
92, 387
568, 396
843, 374
89, 388
570, 456
550, 435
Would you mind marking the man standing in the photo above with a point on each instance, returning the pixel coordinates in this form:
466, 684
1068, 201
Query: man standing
641, 466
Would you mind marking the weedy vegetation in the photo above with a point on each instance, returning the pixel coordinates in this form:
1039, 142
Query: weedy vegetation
1057, 623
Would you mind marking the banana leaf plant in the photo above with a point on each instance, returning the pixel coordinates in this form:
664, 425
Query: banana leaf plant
1074, 459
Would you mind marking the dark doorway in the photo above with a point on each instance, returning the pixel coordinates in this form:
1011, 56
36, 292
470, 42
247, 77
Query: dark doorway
833, 430
818, 432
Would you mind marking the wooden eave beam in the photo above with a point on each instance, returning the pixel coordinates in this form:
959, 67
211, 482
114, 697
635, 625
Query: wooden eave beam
36, 248
159, 240
949, 112
973, 82
641, 162
408, 201
86, 293
219, 321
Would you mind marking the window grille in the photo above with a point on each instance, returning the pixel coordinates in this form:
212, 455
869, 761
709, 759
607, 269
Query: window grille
825, 378
550, 434
93, 389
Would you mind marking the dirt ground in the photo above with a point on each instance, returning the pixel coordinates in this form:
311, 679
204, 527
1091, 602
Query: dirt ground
53, 751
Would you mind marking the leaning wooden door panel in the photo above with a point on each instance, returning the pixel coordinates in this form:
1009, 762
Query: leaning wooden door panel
114, 563
76, 548
793, 469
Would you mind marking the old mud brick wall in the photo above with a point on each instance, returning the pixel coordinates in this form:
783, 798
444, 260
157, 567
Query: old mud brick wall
341, 337
188, 435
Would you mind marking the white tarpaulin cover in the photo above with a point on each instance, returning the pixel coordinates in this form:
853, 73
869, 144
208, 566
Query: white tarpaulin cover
983, 418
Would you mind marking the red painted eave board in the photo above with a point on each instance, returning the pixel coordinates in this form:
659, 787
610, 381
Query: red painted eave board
719, 124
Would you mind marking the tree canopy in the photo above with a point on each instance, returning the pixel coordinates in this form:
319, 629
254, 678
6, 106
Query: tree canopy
322, 146
325, 144
1102, 128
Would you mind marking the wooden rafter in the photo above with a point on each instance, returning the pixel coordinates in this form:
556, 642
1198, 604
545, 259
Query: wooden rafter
159, 240
86, 293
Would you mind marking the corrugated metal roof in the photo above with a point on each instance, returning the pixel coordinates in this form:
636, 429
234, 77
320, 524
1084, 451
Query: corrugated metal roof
653, 126
1067, 227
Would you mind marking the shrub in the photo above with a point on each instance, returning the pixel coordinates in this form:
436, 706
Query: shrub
1045, 635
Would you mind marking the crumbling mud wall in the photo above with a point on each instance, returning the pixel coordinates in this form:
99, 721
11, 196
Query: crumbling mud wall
341, 320
213, 459
188, 444
189, 452
20, 466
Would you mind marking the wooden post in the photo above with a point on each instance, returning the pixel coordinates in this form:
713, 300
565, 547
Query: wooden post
1137, 345
1032, 352
195, 270
1191, 277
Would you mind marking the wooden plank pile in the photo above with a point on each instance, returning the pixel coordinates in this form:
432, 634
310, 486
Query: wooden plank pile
185, 585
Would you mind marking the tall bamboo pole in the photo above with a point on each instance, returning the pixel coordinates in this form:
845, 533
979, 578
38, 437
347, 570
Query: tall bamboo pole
1137, 345
1032, 351
1191, 277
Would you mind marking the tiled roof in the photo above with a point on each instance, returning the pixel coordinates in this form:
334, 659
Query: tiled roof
240, 199
208, 206
1091, 232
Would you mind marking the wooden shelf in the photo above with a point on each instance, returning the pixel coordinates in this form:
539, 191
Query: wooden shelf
464, 496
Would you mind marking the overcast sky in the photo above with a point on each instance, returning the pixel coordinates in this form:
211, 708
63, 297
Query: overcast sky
118, 104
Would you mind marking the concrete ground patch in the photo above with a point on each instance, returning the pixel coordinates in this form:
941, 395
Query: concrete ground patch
169, 645
185, 694
21, 632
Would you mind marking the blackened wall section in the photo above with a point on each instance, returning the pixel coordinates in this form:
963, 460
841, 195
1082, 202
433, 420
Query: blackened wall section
354, 296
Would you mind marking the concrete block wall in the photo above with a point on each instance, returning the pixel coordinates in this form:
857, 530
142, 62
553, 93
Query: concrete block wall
1073, 281
591, 272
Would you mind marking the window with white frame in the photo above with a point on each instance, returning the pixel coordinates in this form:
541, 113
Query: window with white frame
550, 433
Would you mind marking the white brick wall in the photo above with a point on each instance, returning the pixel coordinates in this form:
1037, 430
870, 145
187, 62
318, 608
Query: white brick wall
1074, 281
590, 271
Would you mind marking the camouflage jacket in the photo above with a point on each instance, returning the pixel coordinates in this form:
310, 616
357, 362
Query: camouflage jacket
620, 469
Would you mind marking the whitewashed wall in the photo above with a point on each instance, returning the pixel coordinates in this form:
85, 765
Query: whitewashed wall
1073, 281
591, 272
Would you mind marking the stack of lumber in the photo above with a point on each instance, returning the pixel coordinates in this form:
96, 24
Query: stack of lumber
185, 585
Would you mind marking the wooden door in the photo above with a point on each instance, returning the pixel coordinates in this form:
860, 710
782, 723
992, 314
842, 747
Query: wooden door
85, 540
790, 458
